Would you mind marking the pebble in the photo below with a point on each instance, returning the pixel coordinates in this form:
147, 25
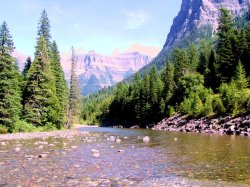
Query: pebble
96, 155
118, 140
40, 147
112, 138
73, 147
175, 139
17, 149
94, 151
43, 155
3, 143
146, 139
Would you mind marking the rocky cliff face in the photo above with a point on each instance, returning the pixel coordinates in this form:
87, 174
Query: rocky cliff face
199, 13
97, 71
196, 20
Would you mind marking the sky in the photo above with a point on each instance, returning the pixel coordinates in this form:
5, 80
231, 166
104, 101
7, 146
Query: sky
109, 27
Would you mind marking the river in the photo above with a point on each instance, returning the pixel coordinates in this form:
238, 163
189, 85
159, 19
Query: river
169, 159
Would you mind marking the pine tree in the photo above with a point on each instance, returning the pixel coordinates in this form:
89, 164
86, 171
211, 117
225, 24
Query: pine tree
168, 80
181, 64
241, 80
44, 28
74, 96
136, 96
211, 77
26, 67
193, 56
244, 49
146, 107
62, 90
205, 50
10, 99
41, 106
225, 48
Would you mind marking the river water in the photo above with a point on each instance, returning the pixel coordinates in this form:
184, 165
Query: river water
169, 159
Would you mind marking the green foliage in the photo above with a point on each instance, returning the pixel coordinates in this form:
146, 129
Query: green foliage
171, 111
62, 90
40, 102
10, 92
240, 80
185, 106
96, 107
218, 106
190, 82
22, 126
26, 67
44, 28
74, 109
3, 129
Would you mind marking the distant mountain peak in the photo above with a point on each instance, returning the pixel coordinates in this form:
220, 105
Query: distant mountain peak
97, 71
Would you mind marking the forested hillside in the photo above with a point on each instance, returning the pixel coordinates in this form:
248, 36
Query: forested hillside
208, 79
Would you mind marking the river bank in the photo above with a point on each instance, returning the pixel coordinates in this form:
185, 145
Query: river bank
221, 125
43, 135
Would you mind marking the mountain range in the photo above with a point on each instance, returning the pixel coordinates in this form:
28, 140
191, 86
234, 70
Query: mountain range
98, 71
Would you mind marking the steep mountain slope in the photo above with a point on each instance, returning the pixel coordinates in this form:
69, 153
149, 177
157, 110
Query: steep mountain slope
97, 71
197, 19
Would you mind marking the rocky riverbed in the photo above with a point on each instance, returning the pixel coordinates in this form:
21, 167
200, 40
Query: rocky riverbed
122, 157
223, 125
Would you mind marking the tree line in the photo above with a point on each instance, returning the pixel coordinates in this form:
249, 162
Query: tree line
208, 79
37, 98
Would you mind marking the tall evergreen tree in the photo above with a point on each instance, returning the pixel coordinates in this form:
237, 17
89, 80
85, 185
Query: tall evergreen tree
181, 64
44, 28
75, 95
62, 90
168, 80
10, 92
240, 79
205, 51
211, 76
41, 105
26, 67
193, 55
225, 49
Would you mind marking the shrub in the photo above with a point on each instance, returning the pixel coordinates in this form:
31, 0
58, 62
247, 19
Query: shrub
208, 107
3, 129
185, 106
171, 111
197, 106
218, 106
23, 126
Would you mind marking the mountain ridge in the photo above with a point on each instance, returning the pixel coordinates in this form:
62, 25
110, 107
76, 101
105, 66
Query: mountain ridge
196, 17
97, 71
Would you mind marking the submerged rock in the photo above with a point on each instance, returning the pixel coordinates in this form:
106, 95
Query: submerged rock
146, 139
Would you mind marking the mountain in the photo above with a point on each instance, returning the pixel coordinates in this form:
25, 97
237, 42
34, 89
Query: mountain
196, 20
98, 71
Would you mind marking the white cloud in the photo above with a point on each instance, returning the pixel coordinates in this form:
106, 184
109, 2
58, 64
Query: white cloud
136, 20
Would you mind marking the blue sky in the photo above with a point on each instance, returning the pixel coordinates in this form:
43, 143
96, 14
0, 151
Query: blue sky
101, 25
